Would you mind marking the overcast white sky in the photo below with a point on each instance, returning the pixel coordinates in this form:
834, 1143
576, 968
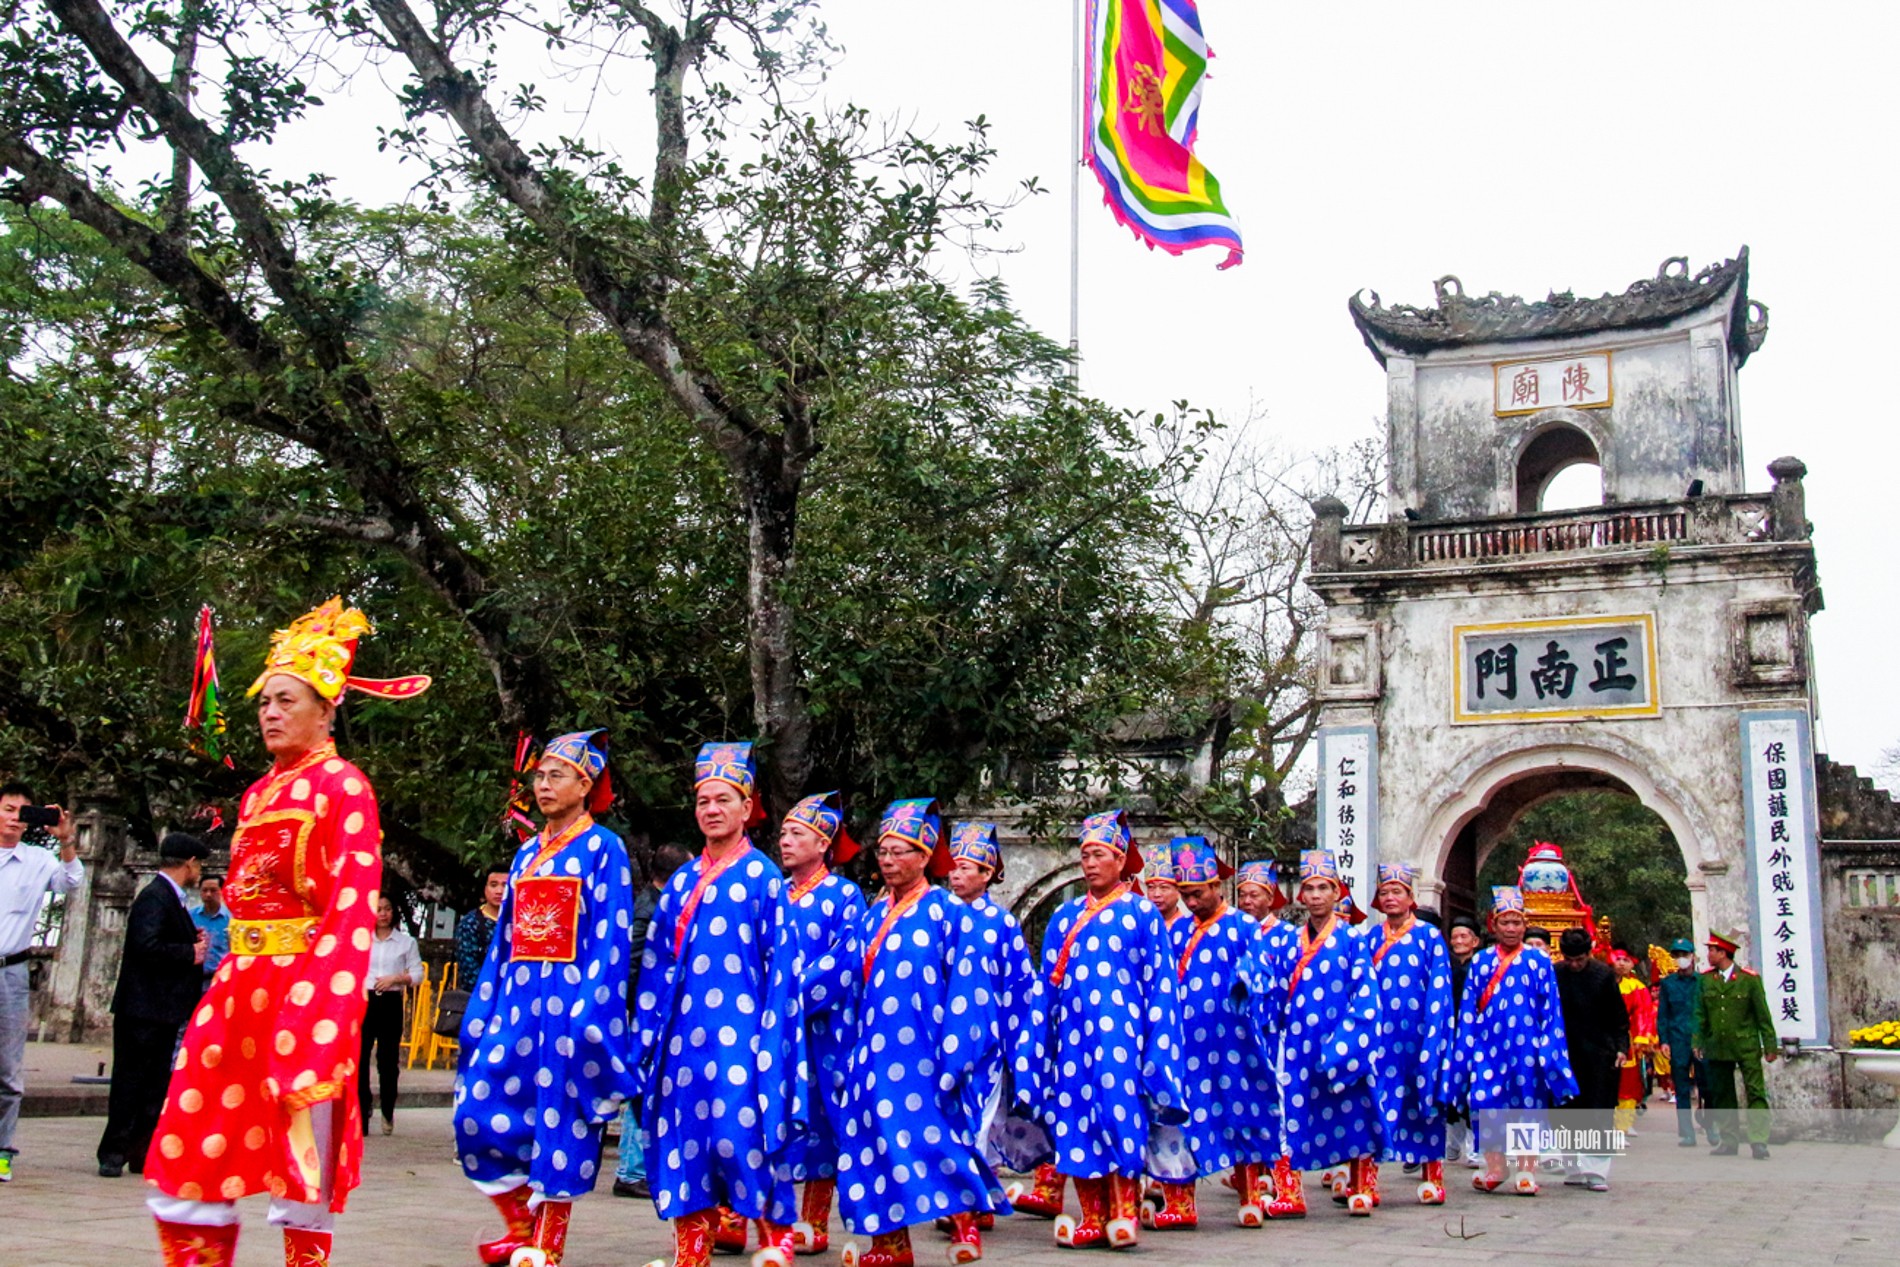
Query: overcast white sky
1523, 147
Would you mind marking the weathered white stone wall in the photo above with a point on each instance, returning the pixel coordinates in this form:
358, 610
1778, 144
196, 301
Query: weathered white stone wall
1673, 420
1435, 776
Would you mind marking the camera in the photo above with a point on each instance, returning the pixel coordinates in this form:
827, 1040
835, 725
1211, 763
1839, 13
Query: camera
39, 815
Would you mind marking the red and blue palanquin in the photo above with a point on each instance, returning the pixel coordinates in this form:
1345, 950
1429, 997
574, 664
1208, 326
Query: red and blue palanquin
277, 1036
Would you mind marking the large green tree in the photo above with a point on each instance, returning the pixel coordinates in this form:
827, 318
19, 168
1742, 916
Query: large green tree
971, 543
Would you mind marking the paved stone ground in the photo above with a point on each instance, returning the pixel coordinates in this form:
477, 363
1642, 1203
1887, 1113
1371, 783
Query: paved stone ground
1812, 1203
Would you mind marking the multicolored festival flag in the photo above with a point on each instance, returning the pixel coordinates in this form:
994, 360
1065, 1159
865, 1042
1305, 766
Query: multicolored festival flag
1147, 61
518, 813
202, 712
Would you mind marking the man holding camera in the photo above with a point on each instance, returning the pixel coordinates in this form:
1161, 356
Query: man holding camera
26, 875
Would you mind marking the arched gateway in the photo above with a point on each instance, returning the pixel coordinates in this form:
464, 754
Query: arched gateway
1480, 655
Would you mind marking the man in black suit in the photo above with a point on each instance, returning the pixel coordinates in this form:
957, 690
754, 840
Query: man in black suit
160, 980
1597, 1031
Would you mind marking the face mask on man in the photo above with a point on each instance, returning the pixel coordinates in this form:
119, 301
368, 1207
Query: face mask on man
1685, 961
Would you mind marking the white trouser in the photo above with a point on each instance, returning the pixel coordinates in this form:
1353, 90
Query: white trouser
308, 1216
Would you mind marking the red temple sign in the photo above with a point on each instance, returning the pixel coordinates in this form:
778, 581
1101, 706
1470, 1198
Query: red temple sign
1576, 382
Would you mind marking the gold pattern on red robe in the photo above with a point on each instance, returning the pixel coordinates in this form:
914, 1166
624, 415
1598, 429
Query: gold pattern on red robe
278, 1032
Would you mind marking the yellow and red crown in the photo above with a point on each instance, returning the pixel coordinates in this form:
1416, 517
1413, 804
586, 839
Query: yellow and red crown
319, 649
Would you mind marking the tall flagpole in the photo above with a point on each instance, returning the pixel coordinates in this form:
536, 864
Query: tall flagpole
1075, 198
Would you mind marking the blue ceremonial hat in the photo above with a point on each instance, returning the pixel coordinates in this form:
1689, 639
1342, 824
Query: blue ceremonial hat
580, 749
728, 763
1506, 897
1110, 828
915, 822
1195, 861
1159, 867
585, 751
1399, 873
1319, 864
978, 843
824, 814
1264, 872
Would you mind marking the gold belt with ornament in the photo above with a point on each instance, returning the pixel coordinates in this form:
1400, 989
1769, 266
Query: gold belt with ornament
273, 936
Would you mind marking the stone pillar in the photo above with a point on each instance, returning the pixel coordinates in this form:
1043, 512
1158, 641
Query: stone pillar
1329, 523
75, 1001
1788, 501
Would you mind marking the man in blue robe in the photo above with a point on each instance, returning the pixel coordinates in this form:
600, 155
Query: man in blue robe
1224, 1071
1007, 1088
1317, 1000
1413, 967
1257, 1148
1157, 881
827, 914
1114, 1044
721, 1028
1510, 1051
546, 1052
908, 1152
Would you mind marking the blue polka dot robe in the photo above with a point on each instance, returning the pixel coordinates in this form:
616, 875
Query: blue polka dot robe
1415, 1026
1232, 1098
1511, 1053
1325, 1027
723, 1032
1114, 1047
828, 924
908, 1150
1007, 1086
546, 1051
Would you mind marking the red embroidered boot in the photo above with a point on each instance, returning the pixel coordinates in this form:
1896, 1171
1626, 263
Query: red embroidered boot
1092, 1228
1431, 1185
1362, 1196
193, 1245
513, 1205
1491, 1178
1249, 1181
947, 1223
1044, 1200
305, 1248
812, 1233
1178, 1209
692, 1240
550, 1236
888, 1249
1524, 1182
1124, 1211
777, 1244
966, 1238
729, 1235
1289, 1191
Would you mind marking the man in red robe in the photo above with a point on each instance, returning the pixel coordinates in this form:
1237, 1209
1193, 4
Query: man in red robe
263, 1091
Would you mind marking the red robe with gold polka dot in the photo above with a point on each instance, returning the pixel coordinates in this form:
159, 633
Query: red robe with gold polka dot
280, 1028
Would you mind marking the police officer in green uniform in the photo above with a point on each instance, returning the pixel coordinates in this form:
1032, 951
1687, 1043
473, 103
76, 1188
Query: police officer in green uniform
1677, 996
1735, 1033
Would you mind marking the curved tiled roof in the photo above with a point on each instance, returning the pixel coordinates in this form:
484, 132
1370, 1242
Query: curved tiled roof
1459, 320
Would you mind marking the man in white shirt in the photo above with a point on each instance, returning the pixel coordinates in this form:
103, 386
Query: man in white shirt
27, 874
